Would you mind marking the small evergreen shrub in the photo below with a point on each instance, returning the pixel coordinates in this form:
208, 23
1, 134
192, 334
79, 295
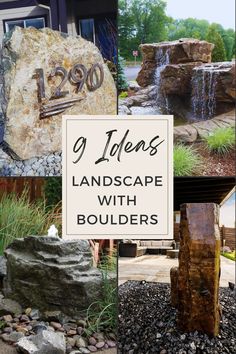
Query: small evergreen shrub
53, 191
221, 140
121, 79
187, 161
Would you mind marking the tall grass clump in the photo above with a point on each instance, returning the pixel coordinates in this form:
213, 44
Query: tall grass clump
221, 140
108, 263
19, 218
187, 161
102, 314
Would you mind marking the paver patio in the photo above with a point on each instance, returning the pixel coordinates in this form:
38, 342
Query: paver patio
156, 268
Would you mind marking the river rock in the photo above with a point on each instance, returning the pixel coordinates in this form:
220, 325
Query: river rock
176, 52
45, 342
199, 269
52, 274
24, 51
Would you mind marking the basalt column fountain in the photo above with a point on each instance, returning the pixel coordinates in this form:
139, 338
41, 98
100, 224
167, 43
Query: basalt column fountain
195, 283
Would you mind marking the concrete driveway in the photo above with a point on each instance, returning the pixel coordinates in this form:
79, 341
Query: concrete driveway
131, 72
156, 268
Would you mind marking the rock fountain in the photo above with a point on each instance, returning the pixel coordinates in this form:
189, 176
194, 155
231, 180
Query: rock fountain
195, 283
52, 274
178, 78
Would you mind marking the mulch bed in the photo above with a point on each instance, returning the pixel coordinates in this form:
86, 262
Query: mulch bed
215, 164
147, 323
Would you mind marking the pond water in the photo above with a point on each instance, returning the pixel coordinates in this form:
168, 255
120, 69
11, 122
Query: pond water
155, 110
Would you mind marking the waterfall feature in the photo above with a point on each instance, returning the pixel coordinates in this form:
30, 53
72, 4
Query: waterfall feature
162, 59
203, 99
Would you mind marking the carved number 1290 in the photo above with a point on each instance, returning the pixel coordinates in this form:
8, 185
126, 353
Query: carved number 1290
78, 76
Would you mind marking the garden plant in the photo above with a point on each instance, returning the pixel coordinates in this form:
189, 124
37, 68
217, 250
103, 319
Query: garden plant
221, 140
19, 218
187, 161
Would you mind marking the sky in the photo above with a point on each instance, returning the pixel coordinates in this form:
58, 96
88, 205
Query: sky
227, 212
222, 12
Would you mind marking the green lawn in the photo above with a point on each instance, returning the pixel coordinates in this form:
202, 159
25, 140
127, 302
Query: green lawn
231, 255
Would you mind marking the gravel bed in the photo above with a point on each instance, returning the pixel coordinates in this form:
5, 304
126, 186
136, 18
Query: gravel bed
48, 165
78, 337
147, 323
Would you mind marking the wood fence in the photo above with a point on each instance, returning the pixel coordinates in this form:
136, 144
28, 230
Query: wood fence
33, 185
227, 235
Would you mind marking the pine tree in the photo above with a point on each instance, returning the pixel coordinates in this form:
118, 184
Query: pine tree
121, 79
219, 52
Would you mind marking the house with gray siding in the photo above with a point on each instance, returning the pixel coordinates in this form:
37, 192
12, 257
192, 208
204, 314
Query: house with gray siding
94, 20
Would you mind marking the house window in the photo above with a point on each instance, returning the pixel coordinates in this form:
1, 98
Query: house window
86, 29
38, 22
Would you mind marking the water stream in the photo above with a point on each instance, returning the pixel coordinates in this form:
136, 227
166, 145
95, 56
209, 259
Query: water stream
203, 99
162, 59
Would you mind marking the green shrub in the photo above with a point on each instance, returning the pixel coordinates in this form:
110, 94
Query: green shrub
19, 218
221, 140
53, 191
187, 161
122, 82
123, 94
231, 255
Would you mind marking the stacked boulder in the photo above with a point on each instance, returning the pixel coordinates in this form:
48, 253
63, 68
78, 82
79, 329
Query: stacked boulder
183, 73
183, 56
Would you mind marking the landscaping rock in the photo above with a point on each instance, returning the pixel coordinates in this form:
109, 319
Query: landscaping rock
177, 79
124, 110
3, 268
61, 269
8, 306
145, 309
185, 134
25, 50
178, 52
191, 132
45, 342
12, 337
199, 269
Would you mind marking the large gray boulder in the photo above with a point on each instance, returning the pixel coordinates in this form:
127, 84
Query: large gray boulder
51, 274
45, 342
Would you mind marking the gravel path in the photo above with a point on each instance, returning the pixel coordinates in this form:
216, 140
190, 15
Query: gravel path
147, 323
